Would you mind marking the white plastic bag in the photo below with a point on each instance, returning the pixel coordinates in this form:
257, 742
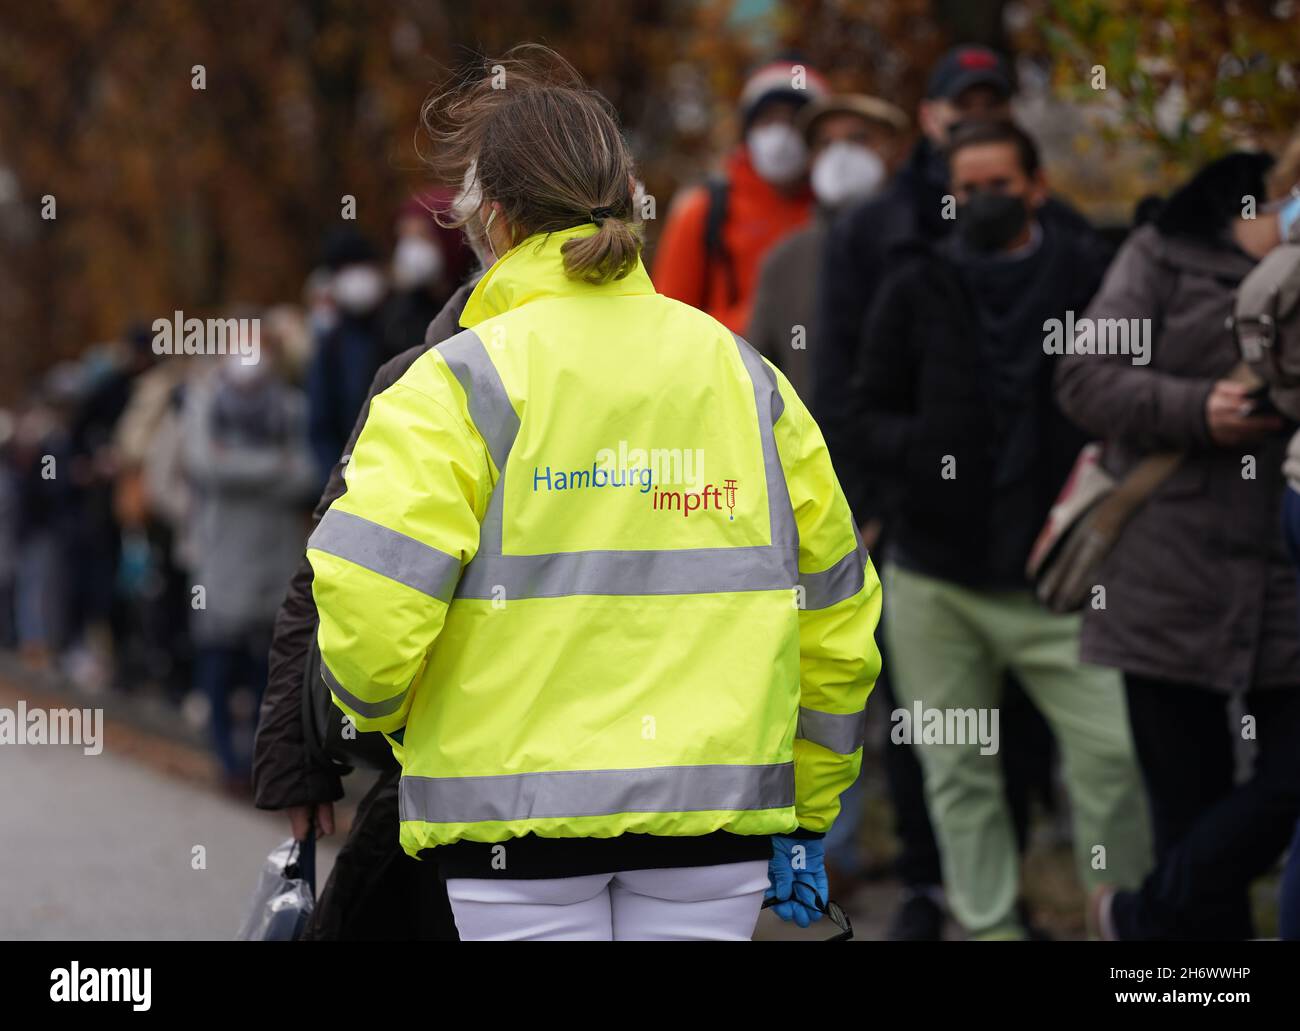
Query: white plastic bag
285, 895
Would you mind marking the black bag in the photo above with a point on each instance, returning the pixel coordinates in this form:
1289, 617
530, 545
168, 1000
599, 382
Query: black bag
715, 248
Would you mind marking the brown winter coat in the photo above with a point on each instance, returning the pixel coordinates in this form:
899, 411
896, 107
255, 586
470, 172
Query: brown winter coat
1199, 588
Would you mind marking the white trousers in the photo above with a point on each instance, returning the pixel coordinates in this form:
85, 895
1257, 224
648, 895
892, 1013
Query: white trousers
692, 903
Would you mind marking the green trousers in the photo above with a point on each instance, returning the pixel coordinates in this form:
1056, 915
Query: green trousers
948, 649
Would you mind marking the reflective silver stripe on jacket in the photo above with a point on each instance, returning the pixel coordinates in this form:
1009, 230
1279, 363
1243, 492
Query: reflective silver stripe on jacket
368, 710
842, 581
498, 423
684, 571
770, 405
537, 796
489, 404
842, 733
491, 573
387, 552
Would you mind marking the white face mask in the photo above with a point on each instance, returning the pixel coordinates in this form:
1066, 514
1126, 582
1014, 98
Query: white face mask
777, 152
465, 207
845, 172
416, 262
478, 243
358, 288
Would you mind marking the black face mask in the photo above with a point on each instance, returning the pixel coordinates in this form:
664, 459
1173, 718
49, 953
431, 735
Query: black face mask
989, 221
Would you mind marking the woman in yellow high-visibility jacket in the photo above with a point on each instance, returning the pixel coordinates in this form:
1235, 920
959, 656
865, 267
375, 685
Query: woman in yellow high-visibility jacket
593, 573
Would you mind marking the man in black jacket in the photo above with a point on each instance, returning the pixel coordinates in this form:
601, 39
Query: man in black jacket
959, 423
969, 83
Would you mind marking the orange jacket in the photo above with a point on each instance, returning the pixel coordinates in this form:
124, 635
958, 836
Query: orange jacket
758, 215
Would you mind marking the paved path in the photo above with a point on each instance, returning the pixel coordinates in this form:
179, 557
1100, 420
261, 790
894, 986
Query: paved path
102, 846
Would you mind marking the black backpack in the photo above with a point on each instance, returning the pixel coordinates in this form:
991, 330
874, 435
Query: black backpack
715, 250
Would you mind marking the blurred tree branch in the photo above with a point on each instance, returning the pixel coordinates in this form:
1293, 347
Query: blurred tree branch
1190, 78
174, 197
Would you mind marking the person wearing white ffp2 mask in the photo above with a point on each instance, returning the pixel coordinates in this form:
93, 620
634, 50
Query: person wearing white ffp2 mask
853, 142
717, 233
777, 152
359, 288
846, 171
417, 262
348, 352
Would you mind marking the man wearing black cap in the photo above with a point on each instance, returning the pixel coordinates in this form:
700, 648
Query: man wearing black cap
970, 83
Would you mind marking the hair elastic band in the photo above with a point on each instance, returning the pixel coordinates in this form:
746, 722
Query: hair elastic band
598, 215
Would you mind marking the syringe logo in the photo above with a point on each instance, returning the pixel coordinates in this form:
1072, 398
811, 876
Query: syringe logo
686, 502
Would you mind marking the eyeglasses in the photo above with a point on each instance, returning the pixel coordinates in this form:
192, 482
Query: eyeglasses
833, 910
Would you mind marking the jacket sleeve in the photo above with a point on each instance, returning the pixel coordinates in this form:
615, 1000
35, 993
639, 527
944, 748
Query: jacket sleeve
839, 607
388, 554
1109, 396
680, 265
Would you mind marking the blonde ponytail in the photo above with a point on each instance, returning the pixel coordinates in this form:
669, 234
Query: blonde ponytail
609, 253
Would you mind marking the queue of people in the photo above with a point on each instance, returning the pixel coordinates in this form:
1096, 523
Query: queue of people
856, 336
153, 503
921, 351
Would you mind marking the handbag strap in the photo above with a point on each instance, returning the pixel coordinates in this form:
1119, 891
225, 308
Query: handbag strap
1141, 481
307, 852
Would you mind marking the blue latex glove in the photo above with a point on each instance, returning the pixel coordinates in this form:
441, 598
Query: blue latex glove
796, 876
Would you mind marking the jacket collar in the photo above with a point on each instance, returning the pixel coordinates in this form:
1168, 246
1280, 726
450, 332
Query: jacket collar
534, 270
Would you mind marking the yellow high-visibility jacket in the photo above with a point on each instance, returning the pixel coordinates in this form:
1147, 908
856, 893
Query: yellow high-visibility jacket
593, 573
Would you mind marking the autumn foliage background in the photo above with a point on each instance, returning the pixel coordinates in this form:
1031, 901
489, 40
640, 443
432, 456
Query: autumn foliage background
166, 196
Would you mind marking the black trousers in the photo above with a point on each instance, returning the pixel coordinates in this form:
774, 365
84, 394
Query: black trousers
1212, 837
